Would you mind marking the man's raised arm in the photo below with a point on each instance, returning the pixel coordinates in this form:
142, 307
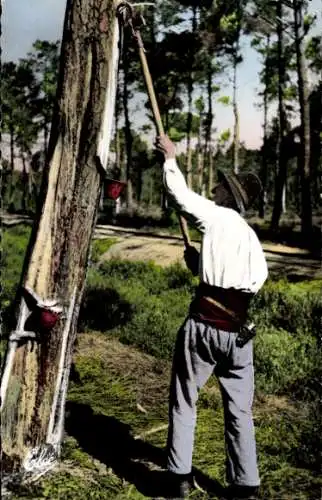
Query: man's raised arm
195, 207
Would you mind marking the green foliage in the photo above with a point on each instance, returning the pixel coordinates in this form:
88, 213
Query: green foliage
101, 246
156, 300
143, 305
225, 100
292, 307
14, 243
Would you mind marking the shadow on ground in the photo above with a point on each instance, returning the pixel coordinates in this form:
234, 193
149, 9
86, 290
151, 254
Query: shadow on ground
111, 442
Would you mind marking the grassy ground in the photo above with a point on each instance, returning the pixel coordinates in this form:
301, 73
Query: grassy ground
119, 385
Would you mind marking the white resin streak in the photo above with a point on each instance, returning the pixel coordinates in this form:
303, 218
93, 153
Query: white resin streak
105, 134
54, 432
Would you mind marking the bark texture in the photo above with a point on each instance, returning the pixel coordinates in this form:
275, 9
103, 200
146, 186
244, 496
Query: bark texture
56, 259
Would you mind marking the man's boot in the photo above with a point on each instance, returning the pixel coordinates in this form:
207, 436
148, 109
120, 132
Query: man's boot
179, 485
236, 492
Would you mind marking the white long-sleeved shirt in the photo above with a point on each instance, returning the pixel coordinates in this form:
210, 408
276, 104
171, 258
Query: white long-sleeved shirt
231, 254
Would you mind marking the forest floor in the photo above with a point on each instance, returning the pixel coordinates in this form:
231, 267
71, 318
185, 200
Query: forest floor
295, 264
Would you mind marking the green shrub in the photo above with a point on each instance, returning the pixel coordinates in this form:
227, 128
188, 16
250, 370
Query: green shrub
295, 308
144, 304
282, 360
99, 247
14, 244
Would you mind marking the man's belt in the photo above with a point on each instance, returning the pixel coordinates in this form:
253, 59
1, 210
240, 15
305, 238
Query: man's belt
210, 308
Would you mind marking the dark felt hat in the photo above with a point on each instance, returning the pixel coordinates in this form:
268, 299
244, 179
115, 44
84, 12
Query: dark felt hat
245, 188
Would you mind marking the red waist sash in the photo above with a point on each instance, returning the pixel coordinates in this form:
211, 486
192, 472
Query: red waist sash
226, 308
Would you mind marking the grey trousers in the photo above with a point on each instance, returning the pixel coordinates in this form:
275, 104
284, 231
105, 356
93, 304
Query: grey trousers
200, 351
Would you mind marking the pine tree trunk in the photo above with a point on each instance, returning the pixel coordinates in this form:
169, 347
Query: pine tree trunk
25, 184
207, 149
46, 134
200, 157
211, 173
128, 132
57, 255
189, 115
236, 117
280, 179
305, 123
12, 168
264, 170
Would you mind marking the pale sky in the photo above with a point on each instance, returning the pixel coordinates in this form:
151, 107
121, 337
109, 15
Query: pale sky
24, 21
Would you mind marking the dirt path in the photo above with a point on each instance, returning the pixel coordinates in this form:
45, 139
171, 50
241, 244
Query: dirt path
135, 244
294, 263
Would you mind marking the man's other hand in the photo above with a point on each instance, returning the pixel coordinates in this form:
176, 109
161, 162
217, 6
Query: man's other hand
191, 257
165, 146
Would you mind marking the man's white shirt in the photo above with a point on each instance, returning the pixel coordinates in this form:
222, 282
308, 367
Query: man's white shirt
230, 254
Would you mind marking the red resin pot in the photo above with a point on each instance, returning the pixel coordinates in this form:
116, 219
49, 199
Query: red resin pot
113, 189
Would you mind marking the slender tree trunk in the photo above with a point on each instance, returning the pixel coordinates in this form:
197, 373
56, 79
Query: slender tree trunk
34, 388
12, 168
190, 92
209, 120
128, 131
211, 173
280, 179
150, 192
12, 148
264, 169
25, 183
236, 140
46, 136
139, 185
117, 131
200, 159
305, 122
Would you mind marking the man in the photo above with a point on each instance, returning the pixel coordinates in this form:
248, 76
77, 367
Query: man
232, 268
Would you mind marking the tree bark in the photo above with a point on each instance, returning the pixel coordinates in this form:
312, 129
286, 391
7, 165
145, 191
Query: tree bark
211, 173
12, 168
189, 114
128, 132
57, 255
200, 157
280, 178
236, 116
264, 169
25, 184
209, 120
305, 123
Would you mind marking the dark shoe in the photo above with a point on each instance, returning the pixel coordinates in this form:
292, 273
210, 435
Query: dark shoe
179, 485
236, 492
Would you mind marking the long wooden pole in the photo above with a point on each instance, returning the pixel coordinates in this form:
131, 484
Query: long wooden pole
157, 117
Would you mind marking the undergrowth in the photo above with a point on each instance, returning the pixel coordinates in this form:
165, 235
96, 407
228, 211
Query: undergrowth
118, 392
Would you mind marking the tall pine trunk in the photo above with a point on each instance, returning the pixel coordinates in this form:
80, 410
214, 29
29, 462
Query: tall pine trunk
209, 120
128, 131
200, 157
190, 92
34, 388
25, 184
236, 139
211, 172
280, 178
305, 122
264, 169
